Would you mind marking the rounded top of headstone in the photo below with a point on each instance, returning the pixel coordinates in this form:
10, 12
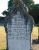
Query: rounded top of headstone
24, 4
21, 3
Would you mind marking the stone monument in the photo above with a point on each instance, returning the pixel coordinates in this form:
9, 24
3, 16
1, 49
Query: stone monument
19, 28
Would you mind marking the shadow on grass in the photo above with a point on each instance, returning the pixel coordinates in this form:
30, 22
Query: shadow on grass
35, 41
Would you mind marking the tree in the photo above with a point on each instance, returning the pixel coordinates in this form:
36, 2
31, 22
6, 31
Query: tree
35, 12
5, 12
27, 2
11, 4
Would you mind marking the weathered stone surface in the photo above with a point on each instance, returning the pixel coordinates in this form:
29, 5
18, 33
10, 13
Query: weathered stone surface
19, 33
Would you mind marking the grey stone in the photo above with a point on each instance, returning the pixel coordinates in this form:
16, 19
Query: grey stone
19, 33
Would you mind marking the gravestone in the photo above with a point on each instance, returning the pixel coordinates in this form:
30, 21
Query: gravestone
19, 32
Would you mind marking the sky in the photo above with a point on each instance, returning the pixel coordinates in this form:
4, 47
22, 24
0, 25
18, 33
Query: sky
36, 1
4, 5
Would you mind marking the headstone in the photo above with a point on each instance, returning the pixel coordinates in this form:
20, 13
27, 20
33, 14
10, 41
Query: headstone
19, 32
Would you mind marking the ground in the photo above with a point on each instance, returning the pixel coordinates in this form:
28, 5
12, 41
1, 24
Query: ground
35, 47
